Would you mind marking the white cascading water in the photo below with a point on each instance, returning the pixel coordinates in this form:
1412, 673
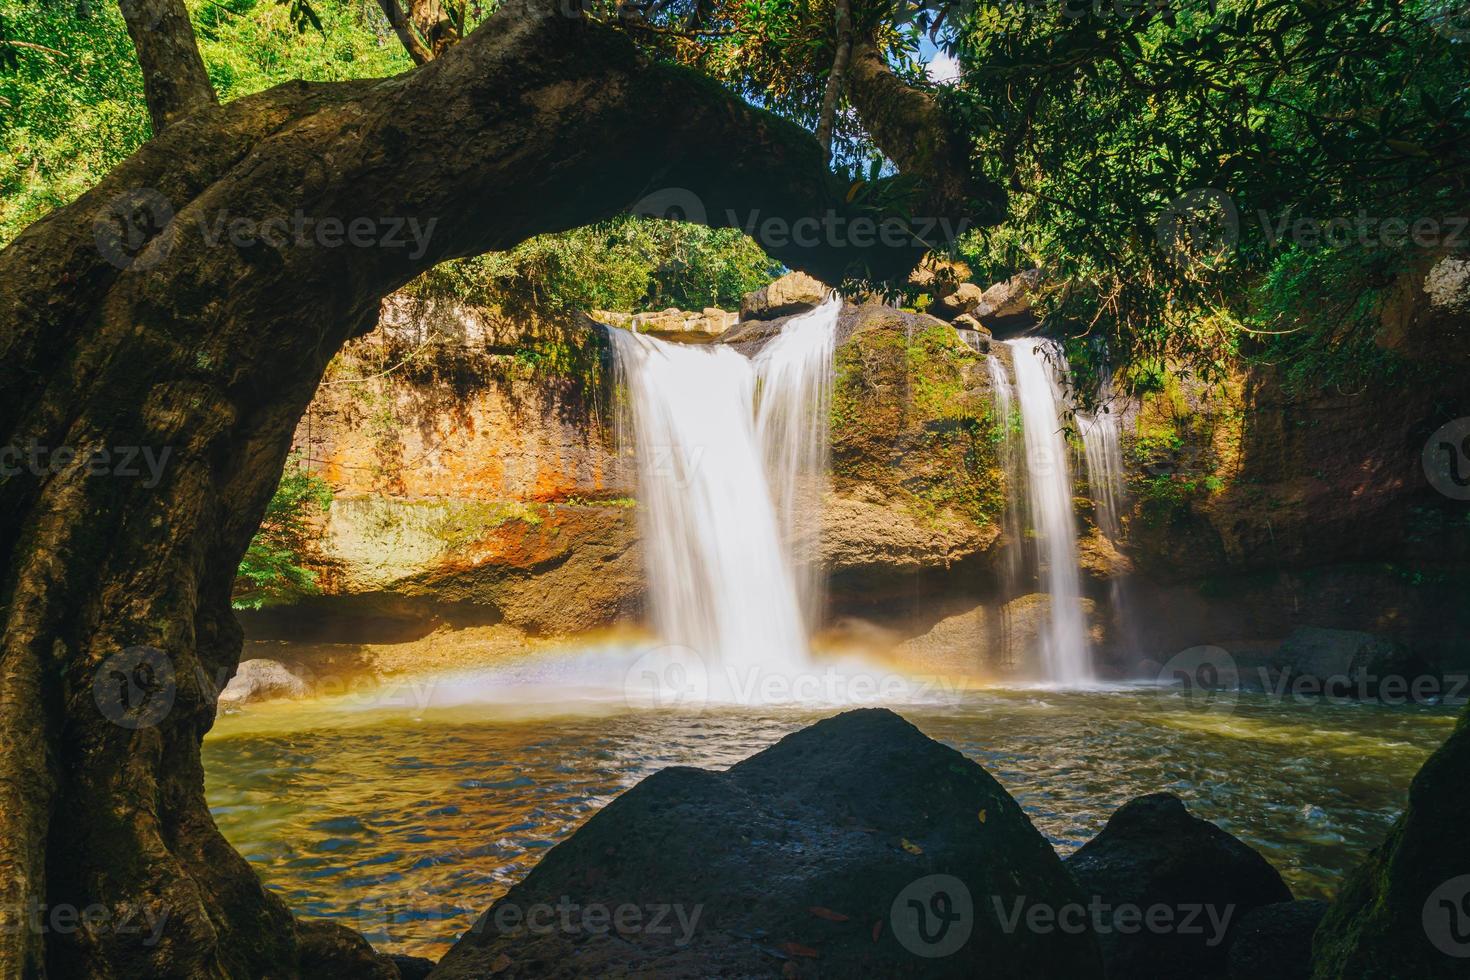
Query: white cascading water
1104, 461
1066, 656
1011, 466
721, 483
794, 375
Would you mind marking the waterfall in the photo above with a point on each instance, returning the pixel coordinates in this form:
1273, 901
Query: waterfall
1104, 458
1048, 478
730, 451
1104, 465
1011, 458
794, 372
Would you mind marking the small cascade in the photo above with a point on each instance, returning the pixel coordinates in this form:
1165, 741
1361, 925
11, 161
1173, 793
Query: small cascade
1048, 478
1104, 461
1011, 458
730, 451
1105, 482
794, 376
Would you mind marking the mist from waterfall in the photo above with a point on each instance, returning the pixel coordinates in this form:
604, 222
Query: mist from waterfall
731, 452
1065, 651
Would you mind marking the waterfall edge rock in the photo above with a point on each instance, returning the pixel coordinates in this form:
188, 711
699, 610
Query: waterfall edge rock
798, 855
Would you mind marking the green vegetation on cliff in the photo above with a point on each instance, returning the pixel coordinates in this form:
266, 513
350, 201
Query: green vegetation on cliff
274, 569
912, 416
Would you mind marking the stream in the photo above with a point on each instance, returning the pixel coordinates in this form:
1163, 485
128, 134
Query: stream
406, 811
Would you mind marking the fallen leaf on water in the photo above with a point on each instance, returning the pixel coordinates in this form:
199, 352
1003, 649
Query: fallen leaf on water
910, 846
877, 929
828, 914
797, 949
501, 964
982, 816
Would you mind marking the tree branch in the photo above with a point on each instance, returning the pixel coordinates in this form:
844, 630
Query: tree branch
174, 80
403, 27
433, 24
830, 99
909, 125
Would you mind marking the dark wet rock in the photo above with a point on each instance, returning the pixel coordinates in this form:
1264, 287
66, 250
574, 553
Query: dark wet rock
1347, 663
1155, 853
1274, 942
803, 860
330, 951
1403, 911
412, 967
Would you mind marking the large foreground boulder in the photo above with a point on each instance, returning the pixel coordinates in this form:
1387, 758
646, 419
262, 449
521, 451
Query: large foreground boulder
1405, 911
1169, 888
1274, 942
856, 847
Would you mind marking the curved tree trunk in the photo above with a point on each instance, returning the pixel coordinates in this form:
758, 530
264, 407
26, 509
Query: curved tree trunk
174, 80
183, 312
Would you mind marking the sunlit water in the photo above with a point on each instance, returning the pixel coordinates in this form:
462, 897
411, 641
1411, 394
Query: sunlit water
407, 811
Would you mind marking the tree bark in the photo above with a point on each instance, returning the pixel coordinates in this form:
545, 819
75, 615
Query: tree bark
826, 122
911, 127
433, 24
403, 26
189, 304
174, 80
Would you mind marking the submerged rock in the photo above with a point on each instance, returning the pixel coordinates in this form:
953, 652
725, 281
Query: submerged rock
1274, 942
1346, 663
1172, 886
856, 847
261, 680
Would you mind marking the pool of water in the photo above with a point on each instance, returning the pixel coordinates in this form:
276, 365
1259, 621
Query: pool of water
405, 811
